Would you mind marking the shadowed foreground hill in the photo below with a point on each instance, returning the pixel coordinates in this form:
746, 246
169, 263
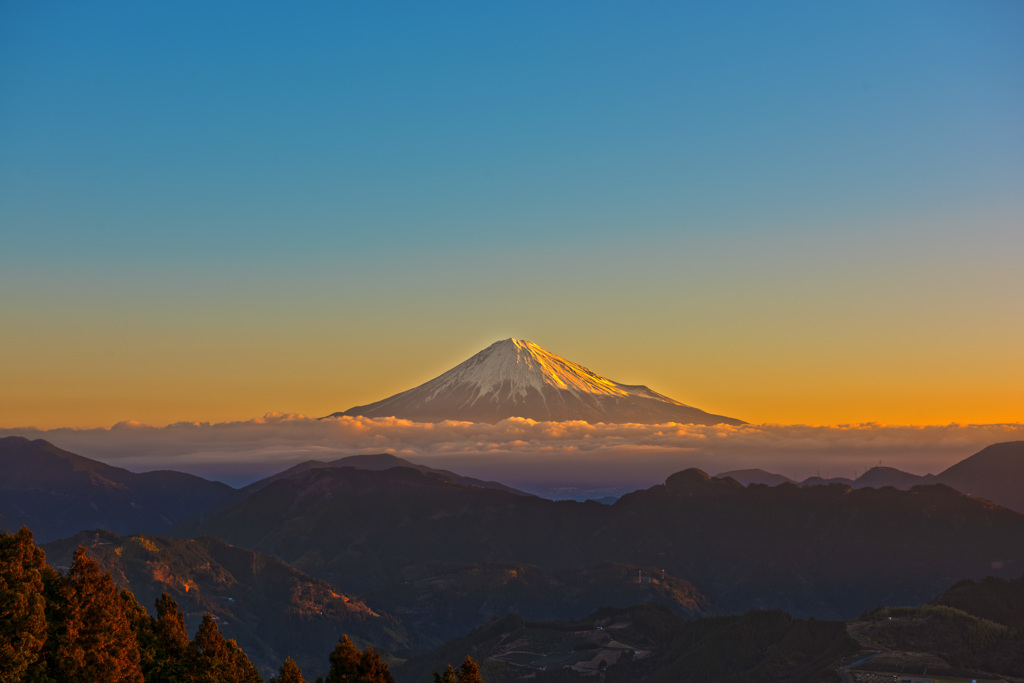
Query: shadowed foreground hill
648, 643
826, 551
446, 605
76, 626
270, 608
57, 493
998, 600
973, 630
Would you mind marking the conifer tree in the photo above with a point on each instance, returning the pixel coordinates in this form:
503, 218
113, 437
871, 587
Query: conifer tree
374, 669
22, 605
239, 669
165, 660
96, 641
446, 676
54, 596
212, 659
169, 627
349, 665
345, 661
142, 627
469, 672
290, 673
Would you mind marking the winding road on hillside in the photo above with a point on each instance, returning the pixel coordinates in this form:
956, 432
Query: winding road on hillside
868, 645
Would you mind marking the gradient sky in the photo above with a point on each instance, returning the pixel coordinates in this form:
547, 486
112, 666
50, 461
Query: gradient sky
784, 212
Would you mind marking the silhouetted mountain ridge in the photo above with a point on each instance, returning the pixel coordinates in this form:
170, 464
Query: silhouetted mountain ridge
377, 462
373, 462
810, 550
57, 493
994, 473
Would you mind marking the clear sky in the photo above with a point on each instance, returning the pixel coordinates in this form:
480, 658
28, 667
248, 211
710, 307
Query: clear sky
805, 212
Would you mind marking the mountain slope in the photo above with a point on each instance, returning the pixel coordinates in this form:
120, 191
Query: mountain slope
995, 472
376, 462
270, 608
755, 476
810, 551
446, 605
372, 462
361, 528
57, 493
515, 378
646, 643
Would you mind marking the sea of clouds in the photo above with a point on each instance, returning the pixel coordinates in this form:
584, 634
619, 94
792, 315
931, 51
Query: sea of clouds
543, 457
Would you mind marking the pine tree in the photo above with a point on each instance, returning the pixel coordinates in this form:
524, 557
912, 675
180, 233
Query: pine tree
142, 627
290, 673
165, 656
169, 627
374, 669
240, 669
349, 665
22, 605
54, 596
212, 659
469, 672
345, 661
96, 641
446, 676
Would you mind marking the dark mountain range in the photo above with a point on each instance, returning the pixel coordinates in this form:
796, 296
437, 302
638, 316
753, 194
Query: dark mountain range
377, 462
515, 378
973, 631
755, 476
373, 462
444, 604
878, 477
826, 551
361, 529
994, 473
57, 493
647, 643
270, 608
815, 550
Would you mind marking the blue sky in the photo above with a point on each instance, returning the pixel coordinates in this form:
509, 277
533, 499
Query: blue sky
329, 180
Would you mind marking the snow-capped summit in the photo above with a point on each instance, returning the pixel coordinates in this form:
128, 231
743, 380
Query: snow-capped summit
516, 378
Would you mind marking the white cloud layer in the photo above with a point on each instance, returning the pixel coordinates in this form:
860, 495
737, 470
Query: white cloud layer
527, 453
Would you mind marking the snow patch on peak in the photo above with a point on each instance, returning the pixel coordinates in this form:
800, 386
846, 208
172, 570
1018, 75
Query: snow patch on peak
517, 367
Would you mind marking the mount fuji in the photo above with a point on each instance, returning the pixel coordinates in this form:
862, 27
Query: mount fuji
516, 378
